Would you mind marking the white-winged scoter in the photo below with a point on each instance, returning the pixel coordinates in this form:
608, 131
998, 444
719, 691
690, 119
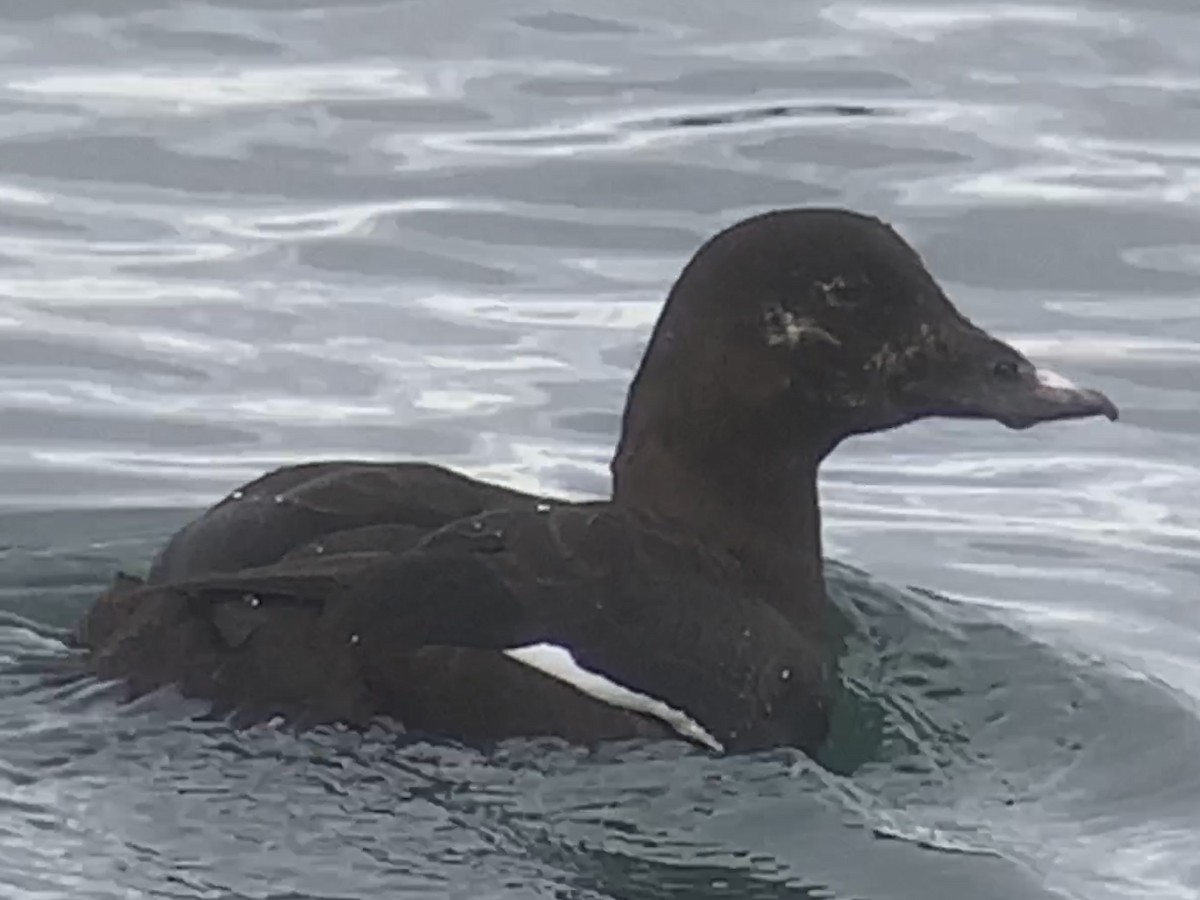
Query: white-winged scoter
690, 603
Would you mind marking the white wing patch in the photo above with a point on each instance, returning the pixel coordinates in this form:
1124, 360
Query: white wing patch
560, 663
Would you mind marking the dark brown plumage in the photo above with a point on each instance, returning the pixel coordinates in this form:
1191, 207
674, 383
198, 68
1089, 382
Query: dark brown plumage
344, 590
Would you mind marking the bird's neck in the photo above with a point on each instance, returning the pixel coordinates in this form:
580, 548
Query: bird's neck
760, 507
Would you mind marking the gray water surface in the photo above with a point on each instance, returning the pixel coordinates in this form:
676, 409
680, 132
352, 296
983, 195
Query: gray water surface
237, 234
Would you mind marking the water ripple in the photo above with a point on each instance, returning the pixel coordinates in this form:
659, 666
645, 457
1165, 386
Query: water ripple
241, 233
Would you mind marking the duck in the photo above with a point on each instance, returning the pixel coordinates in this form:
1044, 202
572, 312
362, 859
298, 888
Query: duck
688, 605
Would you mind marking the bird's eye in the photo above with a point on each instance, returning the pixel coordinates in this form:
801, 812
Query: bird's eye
1006, 369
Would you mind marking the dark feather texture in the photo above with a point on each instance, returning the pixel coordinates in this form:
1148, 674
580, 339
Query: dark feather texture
346, 590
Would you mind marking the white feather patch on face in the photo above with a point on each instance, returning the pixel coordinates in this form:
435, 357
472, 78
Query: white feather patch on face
786, 328
560, 663
1050, 379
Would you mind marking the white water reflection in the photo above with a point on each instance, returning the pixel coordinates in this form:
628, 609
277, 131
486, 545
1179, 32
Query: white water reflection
200, 91
243, 233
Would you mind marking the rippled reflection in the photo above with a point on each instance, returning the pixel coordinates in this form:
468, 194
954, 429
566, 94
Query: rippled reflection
247, 232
